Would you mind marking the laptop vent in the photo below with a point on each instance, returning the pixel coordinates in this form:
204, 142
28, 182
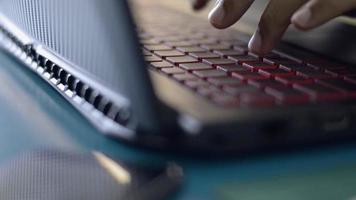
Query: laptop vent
80, 93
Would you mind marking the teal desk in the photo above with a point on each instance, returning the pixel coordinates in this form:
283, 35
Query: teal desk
33, 115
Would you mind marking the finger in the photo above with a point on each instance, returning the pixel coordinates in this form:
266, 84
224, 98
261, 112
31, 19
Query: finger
274, 22
199, 4
317, 12
227, 12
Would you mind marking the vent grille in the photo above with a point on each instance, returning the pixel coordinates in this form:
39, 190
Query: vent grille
79, 93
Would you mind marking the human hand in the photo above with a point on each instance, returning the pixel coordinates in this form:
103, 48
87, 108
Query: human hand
278, 15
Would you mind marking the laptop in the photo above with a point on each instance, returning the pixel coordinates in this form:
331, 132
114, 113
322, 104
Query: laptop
171, 81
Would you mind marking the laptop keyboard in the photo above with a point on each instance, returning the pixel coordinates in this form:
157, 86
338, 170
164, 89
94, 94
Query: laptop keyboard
218, 66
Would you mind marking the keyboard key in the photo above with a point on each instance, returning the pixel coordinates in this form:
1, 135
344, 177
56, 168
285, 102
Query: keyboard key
207, 41
259, 65
223, 81
346, 87
341, 71
279, 61
181, 44
153, 58
275, 72
195, 66
225, 100
216, 46
295, 67
319, 92
232, 68
248, 75
202, 55
351, 78
289, 80
257, 99
326, 65
162, 64
210, 73
263, 83
218, 61
157, 47
150, 42
181, 60
242, 89
229, 52
270, 55
287, 95
173, 70
196, 83
169, 53
146, 53
244, 59
209, 91
191, 49
184, 77
313, 74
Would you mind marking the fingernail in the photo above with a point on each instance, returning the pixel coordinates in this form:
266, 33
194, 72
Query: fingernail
216, 16
302, 17
255, 44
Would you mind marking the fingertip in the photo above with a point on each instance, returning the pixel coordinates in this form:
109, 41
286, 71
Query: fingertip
257, 46
302, 19
217, 15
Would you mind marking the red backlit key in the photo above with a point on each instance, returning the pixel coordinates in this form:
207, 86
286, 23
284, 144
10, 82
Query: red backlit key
244, 59
275, 72
248, 75
319, 92
289, 80
263, 83
351, 78
182, 59
210, 73
341, 71
288, 95
279, 61
169, 53
313, 74
173, 70
222, 81
218, 61
257, 99
195, 66
202, 55
294, 67
232, 68
259, 65
163, 64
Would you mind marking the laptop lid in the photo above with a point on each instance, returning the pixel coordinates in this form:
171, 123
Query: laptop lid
98, 40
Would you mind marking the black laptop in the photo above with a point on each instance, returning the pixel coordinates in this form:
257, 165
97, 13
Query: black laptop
171, 81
